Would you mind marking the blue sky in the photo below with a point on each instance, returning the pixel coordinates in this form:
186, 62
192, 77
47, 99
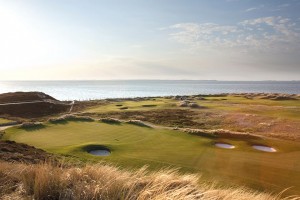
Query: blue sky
139, 39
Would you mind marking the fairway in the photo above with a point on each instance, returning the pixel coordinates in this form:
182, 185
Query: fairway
135, 146
155, 103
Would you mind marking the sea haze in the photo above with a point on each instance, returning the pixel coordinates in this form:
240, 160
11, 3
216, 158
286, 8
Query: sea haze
86, 90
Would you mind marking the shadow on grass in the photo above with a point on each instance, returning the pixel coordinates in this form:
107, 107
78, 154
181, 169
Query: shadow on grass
93, 147
59, 122
151, 105
65, 121
111, 121
81, 120
34, 127
203, 134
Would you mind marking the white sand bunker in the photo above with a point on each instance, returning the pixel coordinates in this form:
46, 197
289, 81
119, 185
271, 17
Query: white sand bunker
264, 148
100, 152
224, 145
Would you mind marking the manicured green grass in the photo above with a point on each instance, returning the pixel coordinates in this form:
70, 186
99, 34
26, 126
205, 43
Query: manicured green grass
4, 121
135, 146
158, 103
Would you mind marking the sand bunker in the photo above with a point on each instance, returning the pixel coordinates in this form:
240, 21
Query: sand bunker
264, 148
100, 152
224, 145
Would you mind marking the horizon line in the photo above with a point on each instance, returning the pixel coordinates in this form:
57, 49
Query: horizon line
154, 80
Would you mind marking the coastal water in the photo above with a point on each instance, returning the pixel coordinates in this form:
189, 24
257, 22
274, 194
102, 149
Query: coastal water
86, 90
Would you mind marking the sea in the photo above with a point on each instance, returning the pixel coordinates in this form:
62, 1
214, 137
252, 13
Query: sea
102, 89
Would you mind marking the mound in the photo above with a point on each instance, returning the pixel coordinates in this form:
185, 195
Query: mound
33, 110
24, 97
17, 152
30, 104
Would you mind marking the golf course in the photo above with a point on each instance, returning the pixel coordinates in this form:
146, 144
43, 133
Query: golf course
133, 146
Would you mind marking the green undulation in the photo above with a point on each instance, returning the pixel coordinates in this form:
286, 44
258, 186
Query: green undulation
134, 146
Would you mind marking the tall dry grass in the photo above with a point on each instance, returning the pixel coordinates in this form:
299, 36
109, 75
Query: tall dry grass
48, 182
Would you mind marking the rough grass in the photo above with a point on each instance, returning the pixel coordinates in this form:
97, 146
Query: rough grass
235, 112
102, 181
70, 117
220, 133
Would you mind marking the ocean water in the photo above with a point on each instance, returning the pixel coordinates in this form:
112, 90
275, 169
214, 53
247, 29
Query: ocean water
86, 90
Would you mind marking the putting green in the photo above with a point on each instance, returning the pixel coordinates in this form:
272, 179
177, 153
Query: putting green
135, 146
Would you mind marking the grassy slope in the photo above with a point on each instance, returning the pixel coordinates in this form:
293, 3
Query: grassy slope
272, 118
286, 108
134, 146
45, 181
4, 121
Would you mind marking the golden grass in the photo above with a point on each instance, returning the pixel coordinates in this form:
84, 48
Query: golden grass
102, 181
219, 133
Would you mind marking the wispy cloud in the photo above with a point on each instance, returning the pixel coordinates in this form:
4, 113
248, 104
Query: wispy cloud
260, 34
254, 8
281, 7
284, 5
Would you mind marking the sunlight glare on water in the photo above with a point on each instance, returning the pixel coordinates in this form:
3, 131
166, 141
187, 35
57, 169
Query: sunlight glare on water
88, 90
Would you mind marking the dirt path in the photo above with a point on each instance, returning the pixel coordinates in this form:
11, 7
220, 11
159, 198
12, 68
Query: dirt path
2, 128
72, 105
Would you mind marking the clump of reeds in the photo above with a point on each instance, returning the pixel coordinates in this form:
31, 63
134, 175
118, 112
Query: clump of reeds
70, 117
105, 182
219, 133
139, 123
31, 124
109, 120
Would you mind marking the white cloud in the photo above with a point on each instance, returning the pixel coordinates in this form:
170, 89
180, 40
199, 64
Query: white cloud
281, 26
254, 8
280, 7
260, 34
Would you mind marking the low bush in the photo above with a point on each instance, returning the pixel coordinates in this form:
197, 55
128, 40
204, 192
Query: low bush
138, 123
219, 133
70, 117
31, 124
109, 120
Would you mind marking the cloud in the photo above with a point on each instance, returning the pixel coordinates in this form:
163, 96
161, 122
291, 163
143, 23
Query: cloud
254, 8
260, 34
192, 33
280, 7
284, 5
283, 28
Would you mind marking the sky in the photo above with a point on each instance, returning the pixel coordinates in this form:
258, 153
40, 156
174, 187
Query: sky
142, 39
